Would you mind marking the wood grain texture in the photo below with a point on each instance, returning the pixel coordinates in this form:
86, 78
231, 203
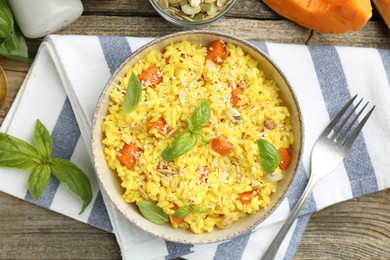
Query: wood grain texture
355, 229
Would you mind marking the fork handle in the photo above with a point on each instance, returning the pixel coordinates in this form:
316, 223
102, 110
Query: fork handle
275, 244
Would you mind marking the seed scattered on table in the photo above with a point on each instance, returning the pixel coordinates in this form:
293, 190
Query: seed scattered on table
193, 10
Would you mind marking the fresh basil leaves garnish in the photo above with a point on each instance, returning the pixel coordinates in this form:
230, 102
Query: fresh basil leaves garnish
152, 212
182, 144
183, 211
270, 157
201, 115
186, 140
16, 153
133, 95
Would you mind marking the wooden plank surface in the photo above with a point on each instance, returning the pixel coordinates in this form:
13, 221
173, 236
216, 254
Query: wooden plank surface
355, 229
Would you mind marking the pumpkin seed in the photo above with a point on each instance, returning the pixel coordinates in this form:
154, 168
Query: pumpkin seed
174, 2
162, 175
199, 17
269, 124
221, 3
234, 115
211, 66
163, 3
214, 10
204, 7
226, 222
171, 11
183, 97
275, 176
173, 131
167, 172
194, 3
143, 194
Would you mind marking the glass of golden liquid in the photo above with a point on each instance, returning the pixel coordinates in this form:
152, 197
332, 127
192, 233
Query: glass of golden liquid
3, 87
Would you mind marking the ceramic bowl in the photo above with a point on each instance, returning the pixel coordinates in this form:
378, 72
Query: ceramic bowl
111, 183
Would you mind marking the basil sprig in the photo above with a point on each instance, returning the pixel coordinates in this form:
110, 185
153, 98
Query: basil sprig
152, 212
270, 157
133, 95
16, 153
187, 139
183, 211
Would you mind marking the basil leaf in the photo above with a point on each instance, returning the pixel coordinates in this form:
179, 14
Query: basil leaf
202, 138
190, 125
270, 157
201, 115
6, 20
42, 140
182, 144
152, 212
133, 94
198, 211
183, 211
16, 153
15, 47
38, 179
74, 178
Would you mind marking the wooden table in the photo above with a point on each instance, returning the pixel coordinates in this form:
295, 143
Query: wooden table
355, 229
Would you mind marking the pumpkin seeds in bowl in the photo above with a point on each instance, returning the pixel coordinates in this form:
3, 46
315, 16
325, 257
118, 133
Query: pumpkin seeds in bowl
192, 12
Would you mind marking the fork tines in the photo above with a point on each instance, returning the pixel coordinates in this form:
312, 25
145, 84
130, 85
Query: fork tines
340, 128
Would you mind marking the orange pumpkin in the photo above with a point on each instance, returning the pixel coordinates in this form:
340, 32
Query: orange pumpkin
383, 7
329, 16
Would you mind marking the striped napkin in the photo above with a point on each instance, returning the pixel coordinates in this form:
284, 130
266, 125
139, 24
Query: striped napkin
69, 73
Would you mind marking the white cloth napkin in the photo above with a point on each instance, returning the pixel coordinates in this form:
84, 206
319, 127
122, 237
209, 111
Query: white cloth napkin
69, 73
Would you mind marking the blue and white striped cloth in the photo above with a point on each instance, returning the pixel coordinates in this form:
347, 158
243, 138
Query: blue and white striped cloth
66, 79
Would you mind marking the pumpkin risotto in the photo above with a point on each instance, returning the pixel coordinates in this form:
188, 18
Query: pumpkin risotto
207, 140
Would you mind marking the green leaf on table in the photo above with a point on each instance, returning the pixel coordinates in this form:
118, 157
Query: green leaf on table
16, 153
68, 173
38, 179
12, 42
6, 20
42, 140
133, 95
152, 212
14, 46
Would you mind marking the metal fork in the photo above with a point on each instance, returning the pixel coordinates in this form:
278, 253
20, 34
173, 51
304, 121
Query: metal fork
328, 152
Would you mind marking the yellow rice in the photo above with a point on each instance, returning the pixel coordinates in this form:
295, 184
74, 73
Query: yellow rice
183, 66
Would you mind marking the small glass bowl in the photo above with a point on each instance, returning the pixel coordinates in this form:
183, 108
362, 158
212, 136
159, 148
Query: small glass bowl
181, 22
3, 87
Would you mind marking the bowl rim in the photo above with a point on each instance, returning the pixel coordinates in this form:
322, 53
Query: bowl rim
299, 152
180, 22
